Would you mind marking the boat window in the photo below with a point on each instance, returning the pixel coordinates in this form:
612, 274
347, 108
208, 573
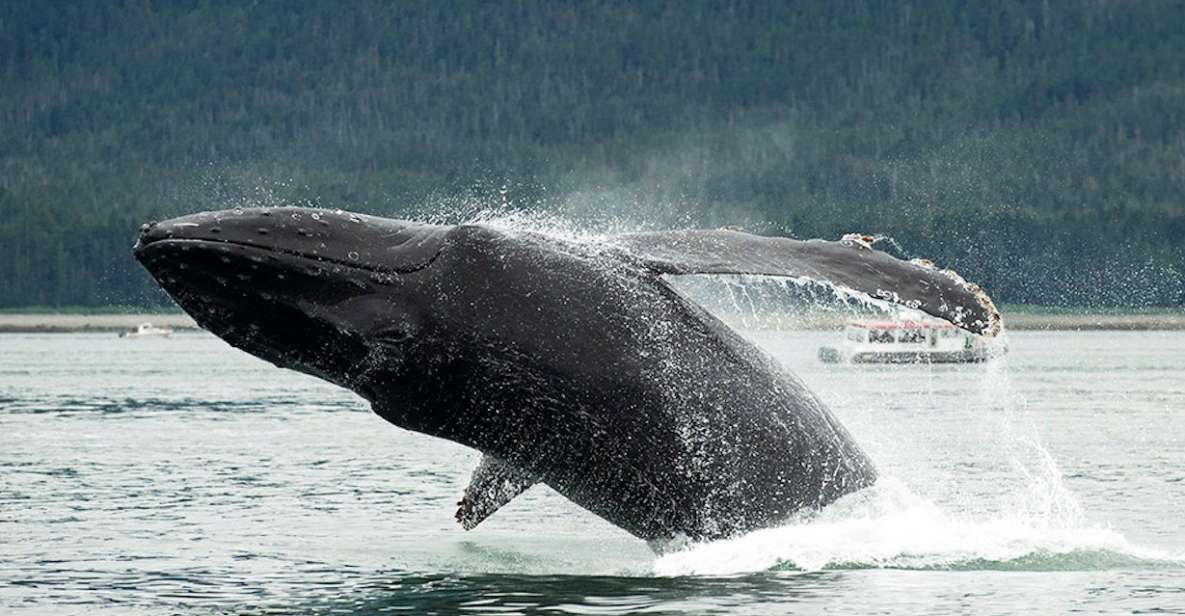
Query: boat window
855, 335
880, 335
911, 336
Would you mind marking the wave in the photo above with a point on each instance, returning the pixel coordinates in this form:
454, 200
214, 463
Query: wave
889, 527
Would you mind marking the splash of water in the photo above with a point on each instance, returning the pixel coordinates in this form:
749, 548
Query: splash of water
888, 526
1040, 526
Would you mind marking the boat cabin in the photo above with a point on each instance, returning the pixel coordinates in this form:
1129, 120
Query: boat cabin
937, 333
906, 341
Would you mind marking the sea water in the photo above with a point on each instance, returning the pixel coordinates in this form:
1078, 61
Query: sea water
182, 476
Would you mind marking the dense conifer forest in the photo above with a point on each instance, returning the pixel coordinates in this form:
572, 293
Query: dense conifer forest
1036, 146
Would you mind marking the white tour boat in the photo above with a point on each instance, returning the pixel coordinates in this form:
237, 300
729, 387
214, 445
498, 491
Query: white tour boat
147, 330
909, 342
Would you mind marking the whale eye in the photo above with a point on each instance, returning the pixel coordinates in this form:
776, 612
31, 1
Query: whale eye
393, 336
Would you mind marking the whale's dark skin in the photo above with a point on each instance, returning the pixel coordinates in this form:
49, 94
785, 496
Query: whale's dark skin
571, 363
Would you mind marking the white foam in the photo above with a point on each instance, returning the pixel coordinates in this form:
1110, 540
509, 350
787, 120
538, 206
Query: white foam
887, 526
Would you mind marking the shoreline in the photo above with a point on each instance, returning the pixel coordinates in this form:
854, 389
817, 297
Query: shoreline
1094, 322
81, 323
110, 323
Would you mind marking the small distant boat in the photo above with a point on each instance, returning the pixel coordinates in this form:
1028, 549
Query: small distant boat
147, 330
909, 342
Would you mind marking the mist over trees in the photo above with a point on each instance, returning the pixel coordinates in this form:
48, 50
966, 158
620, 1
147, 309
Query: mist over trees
1037, 147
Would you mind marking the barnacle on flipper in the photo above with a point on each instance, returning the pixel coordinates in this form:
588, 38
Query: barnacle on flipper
926, 263
862, 239
995, 322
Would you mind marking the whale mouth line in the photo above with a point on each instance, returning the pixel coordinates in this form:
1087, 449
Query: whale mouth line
142, 248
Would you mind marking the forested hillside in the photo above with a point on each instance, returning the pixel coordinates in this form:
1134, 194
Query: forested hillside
1038, 147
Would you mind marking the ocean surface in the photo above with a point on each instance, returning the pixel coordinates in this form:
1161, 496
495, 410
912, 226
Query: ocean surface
180, 476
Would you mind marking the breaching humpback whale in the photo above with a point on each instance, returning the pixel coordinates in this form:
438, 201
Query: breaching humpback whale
571, 363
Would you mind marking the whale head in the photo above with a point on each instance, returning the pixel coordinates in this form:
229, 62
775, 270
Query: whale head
329, 293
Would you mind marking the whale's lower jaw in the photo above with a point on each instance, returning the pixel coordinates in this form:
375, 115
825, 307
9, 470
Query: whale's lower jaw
244, 295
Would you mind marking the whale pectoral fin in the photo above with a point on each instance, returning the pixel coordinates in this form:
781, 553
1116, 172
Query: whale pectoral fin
494, 483
850, 264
